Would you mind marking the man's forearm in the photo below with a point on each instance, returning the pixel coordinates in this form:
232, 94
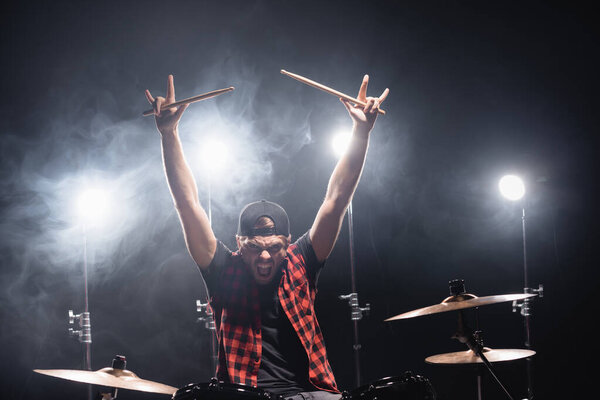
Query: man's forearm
340, 189
179, 175
198, 234
348, 170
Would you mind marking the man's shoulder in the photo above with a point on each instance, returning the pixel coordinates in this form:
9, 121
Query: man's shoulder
300, 247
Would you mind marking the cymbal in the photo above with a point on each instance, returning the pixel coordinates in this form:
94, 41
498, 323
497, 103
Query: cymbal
469, 357
110, 377
461, 301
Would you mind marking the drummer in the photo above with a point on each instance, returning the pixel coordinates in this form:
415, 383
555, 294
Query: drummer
263, 293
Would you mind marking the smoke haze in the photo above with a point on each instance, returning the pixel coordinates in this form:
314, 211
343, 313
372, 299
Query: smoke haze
476, 91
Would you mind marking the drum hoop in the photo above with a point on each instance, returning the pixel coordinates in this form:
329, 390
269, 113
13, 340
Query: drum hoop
406, 378
215, 386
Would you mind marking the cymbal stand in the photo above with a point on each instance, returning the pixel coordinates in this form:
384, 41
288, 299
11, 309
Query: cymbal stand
473, 339
479, 338
206, 313
208, 317
526, 308
356, 312
84, 334
474, 342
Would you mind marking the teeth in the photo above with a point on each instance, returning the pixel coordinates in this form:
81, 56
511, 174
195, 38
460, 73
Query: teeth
264, 269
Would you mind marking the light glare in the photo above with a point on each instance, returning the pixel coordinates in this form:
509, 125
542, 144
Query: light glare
341, 142
92, 205
214, 155
512, 187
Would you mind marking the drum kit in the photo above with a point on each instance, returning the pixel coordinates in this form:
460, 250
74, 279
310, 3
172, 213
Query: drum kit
404, 387
459, 300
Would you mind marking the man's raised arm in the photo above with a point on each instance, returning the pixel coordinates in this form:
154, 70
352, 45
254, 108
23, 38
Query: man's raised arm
346, 174
199, 237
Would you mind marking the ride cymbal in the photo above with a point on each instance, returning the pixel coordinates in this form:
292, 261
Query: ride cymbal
110, 377
460, 302
469, 357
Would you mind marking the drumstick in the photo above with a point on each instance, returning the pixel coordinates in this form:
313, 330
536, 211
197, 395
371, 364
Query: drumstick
327, 89
191, 100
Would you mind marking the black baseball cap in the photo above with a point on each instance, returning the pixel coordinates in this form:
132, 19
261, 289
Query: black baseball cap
263, 208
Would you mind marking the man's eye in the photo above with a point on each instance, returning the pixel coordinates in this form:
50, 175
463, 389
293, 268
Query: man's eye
253, 246
275, 249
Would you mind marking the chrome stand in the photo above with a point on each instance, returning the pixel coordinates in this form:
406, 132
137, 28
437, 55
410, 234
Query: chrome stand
208, 317
84, 334
526, 308
473, 339
206, 313
356, 312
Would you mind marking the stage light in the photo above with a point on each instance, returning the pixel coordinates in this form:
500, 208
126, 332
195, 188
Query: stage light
340, 142
92, 205
214, 155
512, 187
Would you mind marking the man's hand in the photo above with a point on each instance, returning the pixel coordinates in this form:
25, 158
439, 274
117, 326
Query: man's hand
166, 120
364, 117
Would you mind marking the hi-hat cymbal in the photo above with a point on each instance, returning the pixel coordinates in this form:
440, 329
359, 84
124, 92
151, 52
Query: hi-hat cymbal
461, 301
110, 377
469, 357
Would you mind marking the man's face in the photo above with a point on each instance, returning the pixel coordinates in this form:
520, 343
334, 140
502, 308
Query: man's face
263, 255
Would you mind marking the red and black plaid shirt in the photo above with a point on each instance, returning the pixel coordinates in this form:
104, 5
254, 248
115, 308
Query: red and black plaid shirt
235, 302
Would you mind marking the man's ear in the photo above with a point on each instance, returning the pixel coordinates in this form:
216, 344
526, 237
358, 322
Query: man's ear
237, 240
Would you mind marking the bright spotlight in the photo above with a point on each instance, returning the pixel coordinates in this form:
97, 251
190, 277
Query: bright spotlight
340, 142
512, 187
92, 205
214, 155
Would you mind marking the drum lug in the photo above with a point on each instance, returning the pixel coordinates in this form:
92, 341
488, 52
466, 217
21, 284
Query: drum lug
213, 384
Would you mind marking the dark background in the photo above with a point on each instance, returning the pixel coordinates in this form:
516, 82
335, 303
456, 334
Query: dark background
477, 90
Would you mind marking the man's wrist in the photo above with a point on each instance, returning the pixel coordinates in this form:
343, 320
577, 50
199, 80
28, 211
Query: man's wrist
169, 135
362, 131
170, 132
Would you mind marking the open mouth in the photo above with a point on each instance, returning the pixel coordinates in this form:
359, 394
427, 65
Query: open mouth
264, 269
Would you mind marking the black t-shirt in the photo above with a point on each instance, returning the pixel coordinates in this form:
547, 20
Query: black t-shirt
284, 362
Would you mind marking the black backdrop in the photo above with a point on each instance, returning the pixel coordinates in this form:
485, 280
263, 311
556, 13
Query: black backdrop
477, 90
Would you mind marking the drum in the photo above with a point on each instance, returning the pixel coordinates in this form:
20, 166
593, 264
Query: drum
408, 386
217, 390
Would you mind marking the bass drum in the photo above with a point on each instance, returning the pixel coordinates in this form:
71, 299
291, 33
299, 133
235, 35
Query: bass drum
217, 390
408, 386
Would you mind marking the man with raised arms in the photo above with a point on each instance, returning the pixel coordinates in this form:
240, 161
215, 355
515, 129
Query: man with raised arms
263, 293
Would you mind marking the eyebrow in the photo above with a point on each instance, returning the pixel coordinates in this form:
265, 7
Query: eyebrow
269, 245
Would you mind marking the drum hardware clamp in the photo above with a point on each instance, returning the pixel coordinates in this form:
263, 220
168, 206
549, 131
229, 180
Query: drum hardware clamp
85, 333
206, 315
356, 312
526, 305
